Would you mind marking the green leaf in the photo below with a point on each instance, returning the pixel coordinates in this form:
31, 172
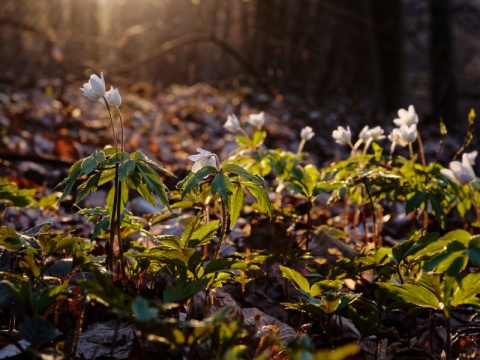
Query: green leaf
236, 204
118, 158
180, 292
126, 169
224, 264
262, 198
240, 171
187, 234
154, 183
258, 137
88, 186
415, 201
414, 294
75, 172
242, 140
223, 186
466, 293
473, 251
325, 285
138, 155
10, 240
89, 164
170, 241
197, 178
205, 233
142, 311
296, 278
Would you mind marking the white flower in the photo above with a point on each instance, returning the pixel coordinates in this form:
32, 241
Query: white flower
95, 88
471, 156
403, 135
460, 172
405, 117
307, 133
204, 158
232, 124
113, 97
256, 119
374, 134
342, 136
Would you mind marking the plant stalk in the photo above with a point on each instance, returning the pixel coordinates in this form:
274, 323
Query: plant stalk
222, 231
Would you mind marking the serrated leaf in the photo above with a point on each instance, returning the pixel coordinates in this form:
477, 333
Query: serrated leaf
88, 186
414, 294
222, 185
154, 183
258, 137
187, 233
296, 278
126, 169
242, 140
205, 233
262, 198
240, 171
197, 178
89, 164
69, 182
236, 204
138, 155
10, 240
322, 286
170, 240
118, 158
467, 293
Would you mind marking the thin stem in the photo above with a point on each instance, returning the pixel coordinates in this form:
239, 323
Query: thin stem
111, 123
424, 165
222, 231
309, 223
300, 146
121, 129
422, 153
374, 216
118, 224
113, 222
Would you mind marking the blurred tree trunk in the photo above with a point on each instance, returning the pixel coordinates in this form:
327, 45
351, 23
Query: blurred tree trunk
84, 23
441, 57
387, 19
270, 34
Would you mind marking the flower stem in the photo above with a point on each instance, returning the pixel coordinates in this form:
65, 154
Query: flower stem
111, 123
121, 129
222, 231
300, 146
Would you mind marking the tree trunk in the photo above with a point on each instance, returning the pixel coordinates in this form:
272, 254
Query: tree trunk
441, 57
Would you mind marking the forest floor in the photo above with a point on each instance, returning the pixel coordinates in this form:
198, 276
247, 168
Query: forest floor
45, 130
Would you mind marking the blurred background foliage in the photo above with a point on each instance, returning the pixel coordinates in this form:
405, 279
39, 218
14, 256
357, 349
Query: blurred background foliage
391, 53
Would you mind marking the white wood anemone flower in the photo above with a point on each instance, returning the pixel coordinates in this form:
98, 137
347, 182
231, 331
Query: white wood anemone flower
94, 89
406, 117
461, 172
113, 97
307, 133
256, 119
232, 124
342, 136
204, 158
